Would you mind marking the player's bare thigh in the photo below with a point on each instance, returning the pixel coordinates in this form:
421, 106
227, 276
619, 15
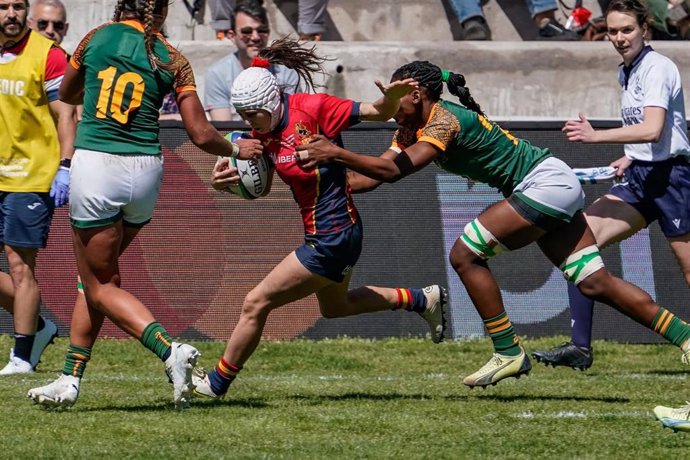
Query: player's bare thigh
287, 282
612, 220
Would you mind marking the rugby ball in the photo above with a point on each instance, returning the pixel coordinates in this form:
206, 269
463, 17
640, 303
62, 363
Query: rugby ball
254, 174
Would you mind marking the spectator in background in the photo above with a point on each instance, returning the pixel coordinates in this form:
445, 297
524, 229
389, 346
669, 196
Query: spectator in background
221, 17
35, 154
311, 21
668, 20
49, 18
474, 26
311, 24
249, 32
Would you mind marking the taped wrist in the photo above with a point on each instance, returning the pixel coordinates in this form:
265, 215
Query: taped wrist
235, 150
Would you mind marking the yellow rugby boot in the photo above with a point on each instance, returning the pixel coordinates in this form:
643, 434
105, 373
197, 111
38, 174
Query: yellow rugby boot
498, 368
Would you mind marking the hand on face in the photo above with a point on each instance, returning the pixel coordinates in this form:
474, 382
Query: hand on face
397, 89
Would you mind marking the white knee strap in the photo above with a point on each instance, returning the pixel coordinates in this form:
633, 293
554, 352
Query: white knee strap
579, 265
480, 240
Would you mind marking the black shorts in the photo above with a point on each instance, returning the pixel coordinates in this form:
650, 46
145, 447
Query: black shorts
332, 255
659, 191
25, 219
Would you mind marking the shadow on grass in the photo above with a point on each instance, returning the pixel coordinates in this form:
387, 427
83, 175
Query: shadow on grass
609, 373
167, 406
458, 397
542, 397
668, 372
370, 397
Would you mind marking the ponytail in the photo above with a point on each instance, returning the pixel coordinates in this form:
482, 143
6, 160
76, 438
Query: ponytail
456, 86
290, 53
431, 78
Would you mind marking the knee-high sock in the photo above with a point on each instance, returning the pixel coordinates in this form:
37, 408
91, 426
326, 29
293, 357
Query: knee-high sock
581, 313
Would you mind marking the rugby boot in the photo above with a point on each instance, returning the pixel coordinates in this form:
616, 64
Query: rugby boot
567, 354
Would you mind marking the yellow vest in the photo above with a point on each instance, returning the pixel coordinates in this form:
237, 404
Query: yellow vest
29, 148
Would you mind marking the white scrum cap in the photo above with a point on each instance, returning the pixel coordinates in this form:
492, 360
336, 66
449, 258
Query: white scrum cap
255, 88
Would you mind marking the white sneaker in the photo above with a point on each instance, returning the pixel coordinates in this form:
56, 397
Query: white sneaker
179, 366
677, 419
202, 386
434, 315
16, 366
63, 392
43, 338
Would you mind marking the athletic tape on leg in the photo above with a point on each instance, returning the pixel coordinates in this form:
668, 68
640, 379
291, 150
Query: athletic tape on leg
481, 241
579, 265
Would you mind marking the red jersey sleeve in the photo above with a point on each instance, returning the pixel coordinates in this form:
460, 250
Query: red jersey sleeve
335, 115
56, 63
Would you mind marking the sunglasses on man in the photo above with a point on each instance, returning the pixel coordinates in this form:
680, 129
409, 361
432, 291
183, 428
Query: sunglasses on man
59, 26
261, 30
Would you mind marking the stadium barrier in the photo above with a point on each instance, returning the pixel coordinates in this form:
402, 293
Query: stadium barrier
203, 251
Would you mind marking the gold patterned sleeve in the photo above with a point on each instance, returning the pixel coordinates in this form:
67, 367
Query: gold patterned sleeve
184, 76
77, 58
403, 138
441, 128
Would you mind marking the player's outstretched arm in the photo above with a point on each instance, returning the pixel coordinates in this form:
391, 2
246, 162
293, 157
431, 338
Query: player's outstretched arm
387, 105
206, 137
389, 167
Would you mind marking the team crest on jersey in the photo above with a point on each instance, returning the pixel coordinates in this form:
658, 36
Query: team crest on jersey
303, 133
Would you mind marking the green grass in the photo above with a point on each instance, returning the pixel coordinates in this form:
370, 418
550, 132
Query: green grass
355, 399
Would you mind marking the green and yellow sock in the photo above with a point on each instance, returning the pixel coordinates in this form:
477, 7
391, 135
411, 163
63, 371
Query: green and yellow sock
156, 339
670, 327
76, 360
502, 334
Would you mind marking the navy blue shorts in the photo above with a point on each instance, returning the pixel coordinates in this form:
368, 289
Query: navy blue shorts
334, 255
25, 219
659, 191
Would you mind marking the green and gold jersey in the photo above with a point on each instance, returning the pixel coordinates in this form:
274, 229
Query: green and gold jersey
474, 147
122, 93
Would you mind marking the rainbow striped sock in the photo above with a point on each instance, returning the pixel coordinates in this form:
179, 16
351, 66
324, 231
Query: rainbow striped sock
222, 376
410, 299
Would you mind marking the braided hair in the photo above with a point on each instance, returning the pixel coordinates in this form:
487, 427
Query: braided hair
144, 11
289, 53
431, 78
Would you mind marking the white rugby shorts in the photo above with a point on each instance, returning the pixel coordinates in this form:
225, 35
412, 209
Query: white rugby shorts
554, 187
105, 188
